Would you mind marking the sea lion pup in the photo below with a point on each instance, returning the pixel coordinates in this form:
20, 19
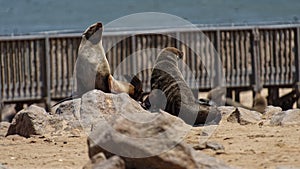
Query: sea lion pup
180, 101
259, 103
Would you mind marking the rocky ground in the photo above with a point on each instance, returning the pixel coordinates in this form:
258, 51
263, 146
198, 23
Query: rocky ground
243, 139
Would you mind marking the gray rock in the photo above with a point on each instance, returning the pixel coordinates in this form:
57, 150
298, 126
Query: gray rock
35, 120
30, 121
98, 158
2, 166
289, 117
244, 116
4, 128
69, 111
209, 145
114, 162
142, 139
270, 111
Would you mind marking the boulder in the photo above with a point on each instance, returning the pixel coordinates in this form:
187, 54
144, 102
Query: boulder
289, 117
144, 140
35, 120
31, 121
69, 111
244, 116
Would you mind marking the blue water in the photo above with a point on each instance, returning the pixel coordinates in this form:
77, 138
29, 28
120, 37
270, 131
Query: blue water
27, 16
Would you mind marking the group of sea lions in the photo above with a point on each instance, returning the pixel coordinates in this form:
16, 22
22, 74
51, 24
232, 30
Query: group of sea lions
169, 89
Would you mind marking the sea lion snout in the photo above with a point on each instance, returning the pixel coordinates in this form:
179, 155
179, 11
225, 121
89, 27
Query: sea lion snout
92, 30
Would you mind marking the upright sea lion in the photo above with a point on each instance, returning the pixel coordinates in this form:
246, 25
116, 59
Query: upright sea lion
93, 71
92, 68
180, 101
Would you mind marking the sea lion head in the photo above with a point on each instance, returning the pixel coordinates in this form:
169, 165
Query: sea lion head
170, 54
177, 52
93, 33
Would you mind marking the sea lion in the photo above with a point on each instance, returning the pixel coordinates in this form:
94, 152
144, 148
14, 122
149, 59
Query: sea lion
180, 101
93, 71
134, 88
92, 68
259, 103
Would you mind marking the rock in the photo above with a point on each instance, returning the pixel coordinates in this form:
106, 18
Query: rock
214, 146
35, 120
98, 158
2, 166
142, 139
270, 111
226, 111
289, 117
209, 145
114, 162
244, 116
69, 111
4, 128
97, 107
30, 121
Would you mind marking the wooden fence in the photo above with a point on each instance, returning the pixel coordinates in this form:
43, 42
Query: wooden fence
40, 67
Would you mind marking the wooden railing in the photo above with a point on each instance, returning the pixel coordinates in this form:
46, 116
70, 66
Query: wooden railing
40, 67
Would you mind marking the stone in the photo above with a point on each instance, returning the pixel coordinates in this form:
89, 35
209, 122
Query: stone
144, 140
30, 121
35, 120
69, 111
244, 116
98, 158
4, 128
270, 111
114, 162
289, 117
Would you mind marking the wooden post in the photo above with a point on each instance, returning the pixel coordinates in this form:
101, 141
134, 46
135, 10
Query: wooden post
298, 66
256, 66
47, 75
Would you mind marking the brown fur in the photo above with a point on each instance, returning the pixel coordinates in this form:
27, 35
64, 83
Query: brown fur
259, 103
167, 78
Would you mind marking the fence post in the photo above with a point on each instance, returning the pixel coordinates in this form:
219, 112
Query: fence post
256, 65
218, 66
47, 75
298, 66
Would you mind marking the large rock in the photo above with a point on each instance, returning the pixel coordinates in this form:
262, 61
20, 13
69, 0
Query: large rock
144, 140
289, 117
31, 121
69, 111
114, 162
244, 116
35, 120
